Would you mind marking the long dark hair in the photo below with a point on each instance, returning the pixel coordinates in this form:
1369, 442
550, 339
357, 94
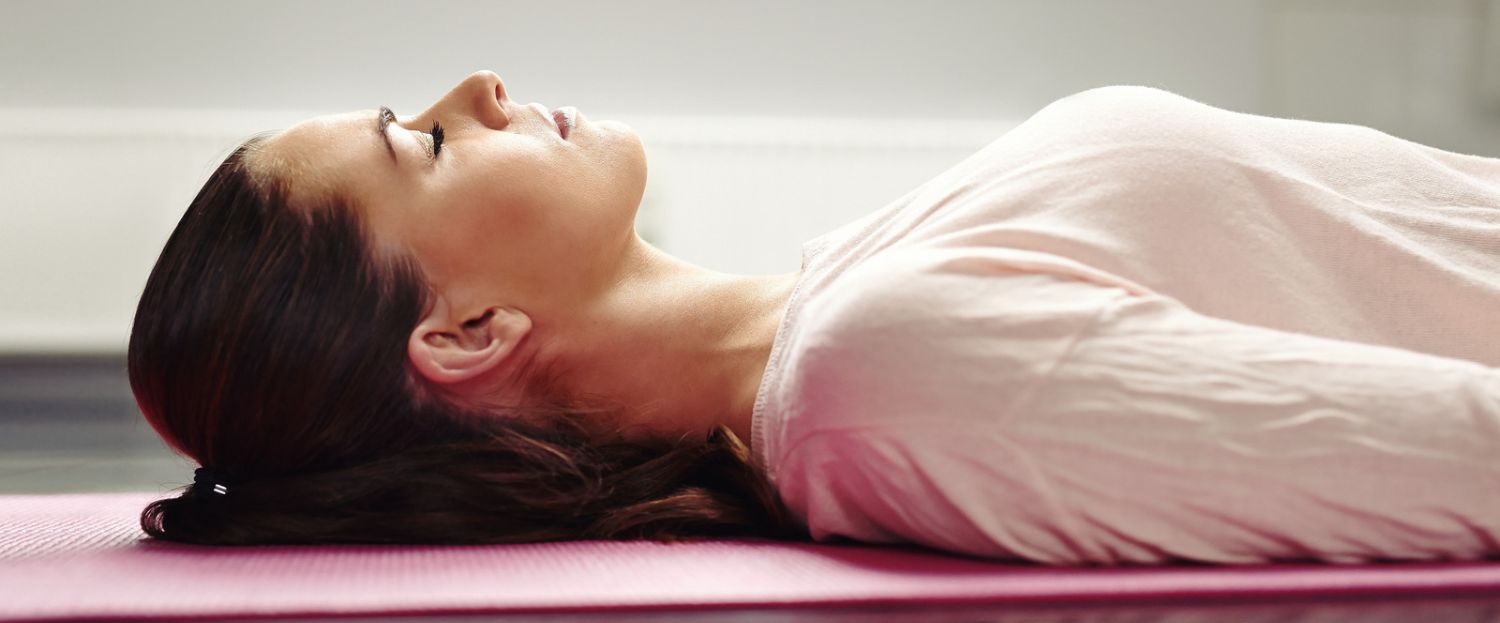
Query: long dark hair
270, 345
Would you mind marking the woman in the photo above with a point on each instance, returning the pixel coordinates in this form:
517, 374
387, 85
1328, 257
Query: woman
1134, 329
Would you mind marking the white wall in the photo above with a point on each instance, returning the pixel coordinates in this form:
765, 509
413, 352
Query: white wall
866, 58
765, 123
1422, 70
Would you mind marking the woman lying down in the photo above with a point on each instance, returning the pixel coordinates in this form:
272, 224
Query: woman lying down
1133, 329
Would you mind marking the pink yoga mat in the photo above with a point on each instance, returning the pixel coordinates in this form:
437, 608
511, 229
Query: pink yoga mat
84, 557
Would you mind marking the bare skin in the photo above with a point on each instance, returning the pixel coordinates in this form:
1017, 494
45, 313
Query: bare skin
529, 240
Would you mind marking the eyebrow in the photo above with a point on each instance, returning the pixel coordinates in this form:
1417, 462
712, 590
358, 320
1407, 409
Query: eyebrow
382, 120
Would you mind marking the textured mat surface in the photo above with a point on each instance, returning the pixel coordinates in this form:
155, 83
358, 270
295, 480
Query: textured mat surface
84, 556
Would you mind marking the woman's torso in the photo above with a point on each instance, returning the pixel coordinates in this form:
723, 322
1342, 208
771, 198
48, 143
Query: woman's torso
1330, 230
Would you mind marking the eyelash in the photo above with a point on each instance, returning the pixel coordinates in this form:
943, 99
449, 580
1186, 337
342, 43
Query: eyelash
437, 138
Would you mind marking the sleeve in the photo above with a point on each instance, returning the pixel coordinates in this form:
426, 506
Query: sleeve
1131, 429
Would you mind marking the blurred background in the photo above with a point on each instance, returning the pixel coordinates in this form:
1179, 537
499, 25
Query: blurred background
765, 123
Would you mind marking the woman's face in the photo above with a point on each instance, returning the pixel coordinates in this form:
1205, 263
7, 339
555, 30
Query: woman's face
506, 212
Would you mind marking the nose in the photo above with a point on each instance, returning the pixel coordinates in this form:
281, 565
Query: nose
480, 96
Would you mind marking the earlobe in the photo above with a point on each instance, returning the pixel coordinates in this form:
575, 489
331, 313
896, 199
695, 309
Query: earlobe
447, 349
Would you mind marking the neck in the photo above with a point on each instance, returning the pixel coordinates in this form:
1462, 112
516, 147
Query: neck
681, 348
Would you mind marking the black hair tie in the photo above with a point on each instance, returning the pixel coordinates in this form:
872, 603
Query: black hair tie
210, 481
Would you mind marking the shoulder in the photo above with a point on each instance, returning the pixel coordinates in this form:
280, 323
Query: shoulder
913, 330
920, 291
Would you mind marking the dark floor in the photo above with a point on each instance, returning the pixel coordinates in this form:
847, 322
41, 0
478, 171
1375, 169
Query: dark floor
70, 424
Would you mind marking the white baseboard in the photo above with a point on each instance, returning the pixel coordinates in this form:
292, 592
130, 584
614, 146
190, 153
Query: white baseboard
91, 194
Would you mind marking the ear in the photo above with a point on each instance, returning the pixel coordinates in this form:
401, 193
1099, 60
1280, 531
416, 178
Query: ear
448, 348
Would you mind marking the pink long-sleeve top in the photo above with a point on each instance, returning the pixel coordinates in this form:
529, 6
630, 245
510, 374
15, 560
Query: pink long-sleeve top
1140, 329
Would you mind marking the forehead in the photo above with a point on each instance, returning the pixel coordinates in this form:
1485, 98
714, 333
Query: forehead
328, 154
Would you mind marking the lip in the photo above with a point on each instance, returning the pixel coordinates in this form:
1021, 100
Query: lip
566, 120
553, 117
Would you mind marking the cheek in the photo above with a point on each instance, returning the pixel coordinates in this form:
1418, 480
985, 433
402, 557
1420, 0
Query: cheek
456, 235
517, 202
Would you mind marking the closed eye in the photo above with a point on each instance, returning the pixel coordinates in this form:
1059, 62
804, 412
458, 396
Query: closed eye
436, 136
434, 143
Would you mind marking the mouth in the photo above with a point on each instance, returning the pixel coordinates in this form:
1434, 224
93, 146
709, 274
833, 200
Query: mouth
565, 119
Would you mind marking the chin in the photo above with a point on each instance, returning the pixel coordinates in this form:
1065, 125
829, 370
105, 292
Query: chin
631, 147
626, 153
622, 132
